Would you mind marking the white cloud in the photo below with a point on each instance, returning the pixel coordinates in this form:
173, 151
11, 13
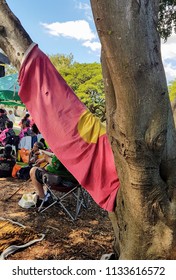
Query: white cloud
79, 29
170, 71
168, 51
94, 46
83, 6
86, 8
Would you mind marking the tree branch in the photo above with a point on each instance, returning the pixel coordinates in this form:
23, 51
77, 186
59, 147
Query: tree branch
14, 40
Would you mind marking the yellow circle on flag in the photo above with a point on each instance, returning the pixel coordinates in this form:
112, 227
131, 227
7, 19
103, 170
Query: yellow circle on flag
90, 127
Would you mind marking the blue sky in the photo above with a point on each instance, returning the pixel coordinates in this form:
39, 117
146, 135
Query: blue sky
67, 26
60, 26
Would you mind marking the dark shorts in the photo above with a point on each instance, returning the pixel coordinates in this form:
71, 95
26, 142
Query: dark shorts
39, 174
53, 179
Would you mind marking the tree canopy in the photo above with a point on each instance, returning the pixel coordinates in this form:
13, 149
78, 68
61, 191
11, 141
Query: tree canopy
167, 18
86, 81
86, 78
172, 91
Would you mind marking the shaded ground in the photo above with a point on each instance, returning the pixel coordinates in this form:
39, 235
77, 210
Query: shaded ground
88, 238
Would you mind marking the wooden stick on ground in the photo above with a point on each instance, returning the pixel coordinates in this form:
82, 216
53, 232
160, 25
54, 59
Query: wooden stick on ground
17, 190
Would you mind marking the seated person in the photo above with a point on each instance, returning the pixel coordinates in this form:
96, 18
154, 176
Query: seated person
25, 129
54, 167
7, 161
25, 118
34, 155
11, 116
42, 140
3, 119
35, 129
7, 133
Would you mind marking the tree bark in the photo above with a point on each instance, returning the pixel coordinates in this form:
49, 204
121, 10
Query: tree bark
139, 122
140, 128
14, 40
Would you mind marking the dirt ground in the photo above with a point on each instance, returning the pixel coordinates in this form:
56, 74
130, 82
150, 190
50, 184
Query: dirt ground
87, 238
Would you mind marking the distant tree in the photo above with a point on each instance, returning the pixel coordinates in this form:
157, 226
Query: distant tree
10, 69
172, 90
85, 79
167, 18
172, 96
61, 61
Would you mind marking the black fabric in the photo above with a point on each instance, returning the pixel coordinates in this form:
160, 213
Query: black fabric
3, 120
13, 140
42, 176
7, 151
9, 137
6, 166
52, 179
10, 132
39, 174
29, 132
23, 173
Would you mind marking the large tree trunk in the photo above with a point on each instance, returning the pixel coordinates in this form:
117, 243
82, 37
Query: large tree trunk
140, 128
139, 120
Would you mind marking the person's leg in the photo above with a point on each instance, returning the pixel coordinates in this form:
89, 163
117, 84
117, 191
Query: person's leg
37, 182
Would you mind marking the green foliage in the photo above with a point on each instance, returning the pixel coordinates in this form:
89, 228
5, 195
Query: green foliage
10, 69
61, 61
172, 91
86, 81
167, 18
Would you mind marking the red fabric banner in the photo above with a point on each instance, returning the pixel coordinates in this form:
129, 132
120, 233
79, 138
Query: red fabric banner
75, 136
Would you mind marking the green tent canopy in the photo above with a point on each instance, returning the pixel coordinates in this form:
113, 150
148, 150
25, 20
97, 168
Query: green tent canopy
9, 88
12, 103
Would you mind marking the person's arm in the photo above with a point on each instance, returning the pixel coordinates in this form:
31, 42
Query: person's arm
45, 158
3, 135
32, 158
21, 134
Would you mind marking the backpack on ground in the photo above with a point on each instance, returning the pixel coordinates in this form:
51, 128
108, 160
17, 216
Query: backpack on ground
23, 173
6, 166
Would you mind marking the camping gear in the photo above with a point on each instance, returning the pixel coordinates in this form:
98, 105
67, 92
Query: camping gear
28, 200
24, 154
15, 169
60, 189
7, 162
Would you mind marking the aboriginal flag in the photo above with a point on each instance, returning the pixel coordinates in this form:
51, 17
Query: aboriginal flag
75, 136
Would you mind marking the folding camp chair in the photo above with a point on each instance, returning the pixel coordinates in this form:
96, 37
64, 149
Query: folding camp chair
60, 190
